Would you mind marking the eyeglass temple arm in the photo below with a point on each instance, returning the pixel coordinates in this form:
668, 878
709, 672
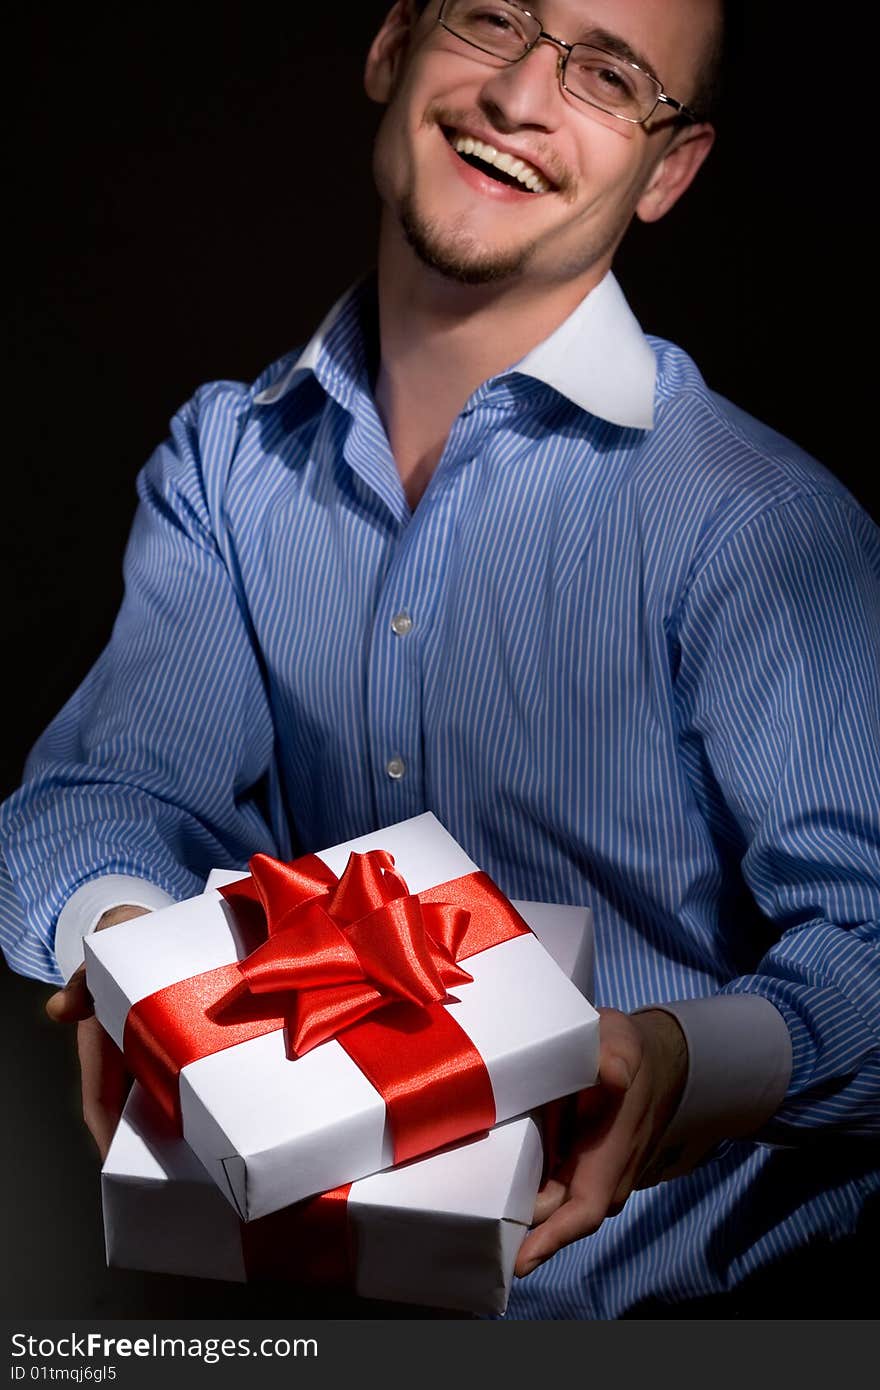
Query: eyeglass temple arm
679, 106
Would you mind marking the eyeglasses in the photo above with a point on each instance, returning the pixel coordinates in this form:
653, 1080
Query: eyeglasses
611, 84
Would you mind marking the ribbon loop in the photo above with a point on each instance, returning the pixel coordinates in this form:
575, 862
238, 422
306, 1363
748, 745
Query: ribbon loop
395, 954
368, 881
282, 888
308, 952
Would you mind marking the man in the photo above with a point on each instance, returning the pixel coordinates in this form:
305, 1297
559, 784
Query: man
484, 549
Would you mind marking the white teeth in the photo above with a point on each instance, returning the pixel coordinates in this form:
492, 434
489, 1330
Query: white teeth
507, 163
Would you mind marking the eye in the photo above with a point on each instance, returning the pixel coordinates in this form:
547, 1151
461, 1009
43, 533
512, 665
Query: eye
491, 20
610, 77
602, 79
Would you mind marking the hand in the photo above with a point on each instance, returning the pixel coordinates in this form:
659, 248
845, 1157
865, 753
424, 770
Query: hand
105, 1080
642, 1071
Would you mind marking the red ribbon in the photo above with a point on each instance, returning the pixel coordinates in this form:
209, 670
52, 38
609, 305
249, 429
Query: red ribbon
311, 1242
360, 959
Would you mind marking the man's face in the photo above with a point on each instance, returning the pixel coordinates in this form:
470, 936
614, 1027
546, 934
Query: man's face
594, 171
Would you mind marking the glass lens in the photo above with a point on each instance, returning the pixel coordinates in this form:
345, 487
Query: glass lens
504, 30
609, 83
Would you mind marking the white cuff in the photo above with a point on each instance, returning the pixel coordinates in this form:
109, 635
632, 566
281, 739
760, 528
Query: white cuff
84, 909
739, 1067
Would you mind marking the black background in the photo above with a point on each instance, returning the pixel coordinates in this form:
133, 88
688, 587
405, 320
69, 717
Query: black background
188, 190
191, 189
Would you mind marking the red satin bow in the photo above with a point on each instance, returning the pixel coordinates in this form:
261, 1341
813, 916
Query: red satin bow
431, 1076
338, 950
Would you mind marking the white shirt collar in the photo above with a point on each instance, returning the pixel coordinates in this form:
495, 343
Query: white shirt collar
598, 358
308, 358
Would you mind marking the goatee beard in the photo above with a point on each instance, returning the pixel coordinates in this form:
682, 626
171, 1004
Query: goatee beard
457, 256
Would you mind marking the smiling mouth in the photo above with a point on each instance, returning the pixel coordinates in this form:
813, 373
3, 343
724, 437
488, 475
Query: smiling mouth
503, 168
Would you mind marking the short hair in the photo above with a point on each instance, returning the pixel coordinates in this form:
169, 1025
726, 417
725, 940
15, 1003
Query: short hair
705, 100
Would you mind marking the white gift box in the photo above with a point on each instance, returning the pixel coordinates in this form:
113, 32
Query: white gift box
271, 1131
442, 1232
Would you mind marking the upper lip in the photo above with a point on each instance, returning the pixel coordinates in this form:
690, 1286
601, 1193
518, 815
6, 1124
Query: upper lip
490, 138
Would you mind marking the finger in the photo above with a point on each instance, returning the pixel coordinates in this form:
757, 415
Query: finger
599, 1178
73, 1002
105, 1082
549, 1199
575, 1218
608, 1160
597, 1113
627, 1183
613, 1122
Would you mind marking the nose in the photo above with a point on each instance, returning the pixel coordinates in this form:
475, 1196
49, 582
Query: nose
527, 93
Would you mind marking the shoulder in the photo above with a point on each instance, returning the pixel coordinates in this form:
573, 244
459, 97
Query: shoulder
222, 422
218, 411
208, 428
716, 472
711, 439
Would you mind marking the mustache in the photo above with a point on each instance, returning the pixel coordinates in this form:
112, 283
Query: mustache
548, 159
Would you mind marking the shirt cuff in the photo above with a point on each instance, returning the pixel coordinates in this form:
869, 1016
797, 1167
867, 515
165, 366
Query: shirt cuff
84, 909
739, 1067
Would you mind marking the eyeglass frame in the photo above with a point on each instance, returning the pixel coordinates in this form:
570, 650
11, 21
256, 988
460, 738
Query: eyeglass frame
682, 112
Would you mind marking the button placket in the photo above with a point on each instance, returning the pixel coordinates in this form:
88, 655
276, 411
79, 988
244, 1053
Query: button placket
405, 604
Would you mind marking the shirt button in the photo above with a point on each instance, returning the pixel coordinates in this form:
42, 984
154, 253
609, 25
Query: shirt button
396, 768
401, 624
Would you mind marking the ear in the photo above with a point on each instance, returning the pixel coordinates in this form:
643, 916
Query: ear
387, 52
675, 171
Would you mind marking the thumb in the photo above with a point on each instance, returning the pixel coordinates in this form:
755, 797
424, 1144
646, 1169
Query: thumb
620, 1050
72, 1003
615, 1073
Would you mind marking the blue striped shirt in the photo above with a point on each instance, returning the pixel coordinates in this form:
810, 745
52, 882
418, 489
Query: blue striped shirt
630, 665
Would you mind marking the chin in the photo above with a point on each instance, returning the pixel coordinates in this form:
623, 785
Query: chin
457, 255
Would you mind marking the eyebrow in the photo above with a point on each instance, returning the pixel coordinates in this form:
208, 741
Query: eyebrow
618, 46
597, 37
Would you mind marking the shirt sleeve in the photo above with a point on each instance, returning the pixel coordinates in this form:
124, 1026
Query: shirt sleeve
153, 770
778, 689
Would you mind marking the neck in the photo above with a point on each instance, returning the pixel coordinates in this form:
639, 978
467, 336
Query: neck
440, 341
